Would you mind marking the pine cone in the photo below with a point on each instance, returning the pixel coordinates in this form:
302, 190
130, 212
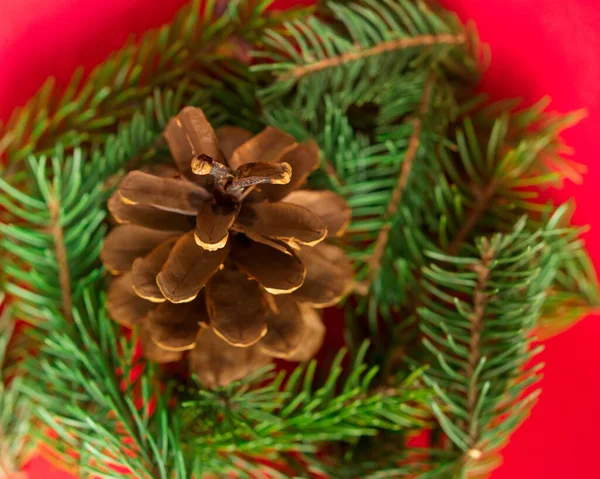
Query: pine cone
222, 254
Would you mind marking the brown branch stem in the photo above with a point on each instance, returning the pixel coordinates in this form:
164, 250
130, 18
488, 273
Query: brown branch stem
480, 302
411, 153
64, 276
483, 195
385, 47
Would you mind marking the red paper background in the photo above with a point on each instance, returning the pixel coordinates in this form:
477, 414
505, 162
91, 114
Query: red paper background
539, 47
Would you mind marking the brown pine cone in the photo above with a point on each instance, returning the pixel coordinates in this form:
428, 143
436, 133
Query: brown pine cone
222, 254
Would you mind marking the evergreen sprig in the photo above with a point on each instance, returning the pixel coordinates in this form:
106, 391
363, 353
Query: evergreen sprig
53, 237
359, 50
477, 316
291, 415
492, 174
91, 388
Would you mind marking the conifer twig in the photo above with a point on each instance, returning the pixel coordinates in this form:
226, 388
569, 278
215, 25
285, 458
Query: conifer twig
482, 199
411, 153
385, 47
480, 302
62, 259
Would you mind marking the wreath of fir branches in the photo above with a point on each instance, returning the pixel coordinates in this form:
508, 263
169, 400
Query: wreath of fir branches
458, 263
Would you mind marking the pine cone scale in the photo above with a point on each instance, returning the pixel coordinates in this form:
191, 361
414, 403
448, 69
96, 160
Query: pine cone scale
190, 134
285, 329
326, 267
187, 269
268, 146
332, 209
278, 272
174, 327
145, 215
145, 270
213, 222
169, 194
127, 242
153, 351
282, 221
303, 159
262, 173
231, 138
123, 305
242, 322
313, 334
217, 363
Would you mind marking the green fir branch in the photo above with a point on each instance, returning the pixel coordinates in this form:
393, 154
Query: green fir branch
493, 172
359, 49
387, 180
493, 160
460, 186
90, 386
53, 244
380, 56
477, 318
82, 387
290, 414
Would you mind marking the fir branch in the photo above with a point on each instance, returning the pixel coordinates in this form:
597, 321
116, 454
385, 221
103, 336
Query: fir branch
414, 144
389, 212
360, 49
289, 414
493, 156
210, 432
482, 197
367, 175
491, 168
385, 47
82, 388
61, 255
477, 319
55, 242
481, 299
55, 245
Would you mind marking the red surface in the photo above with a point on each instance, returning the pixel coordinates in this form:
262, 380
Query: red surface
539, 47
